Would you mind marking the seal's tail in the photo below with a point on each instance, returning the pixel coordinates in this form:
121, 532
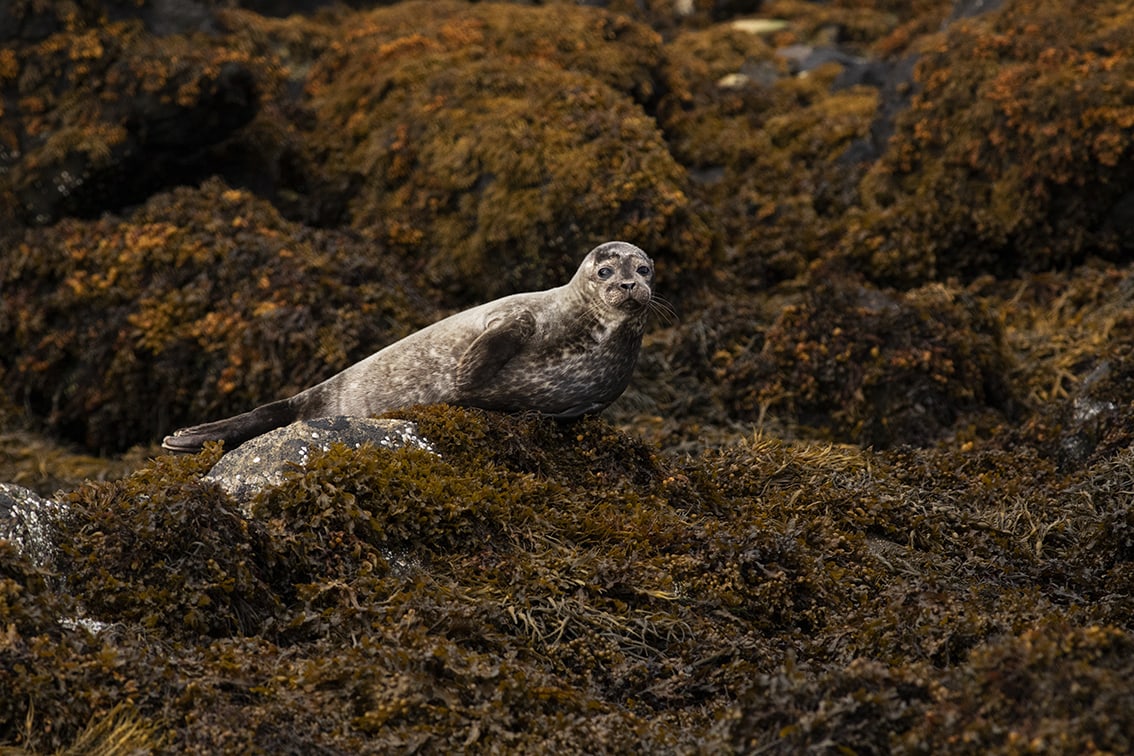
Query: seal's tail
233, 430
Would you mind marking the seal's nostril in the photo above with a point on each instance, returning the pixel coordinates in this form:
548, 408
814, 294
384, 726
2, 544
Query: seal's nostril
629, 285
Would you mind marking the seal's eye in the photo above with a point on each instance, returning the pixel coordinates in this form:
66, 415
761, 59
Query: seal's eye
605, 273
643, 270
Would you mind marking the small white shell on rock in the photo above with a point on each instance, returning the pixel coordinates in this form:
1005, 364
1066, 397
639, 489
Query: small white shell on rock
759, 25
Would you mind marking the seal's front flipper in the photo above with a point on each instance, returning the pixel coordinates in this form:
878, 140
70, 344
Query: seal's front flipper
490, 351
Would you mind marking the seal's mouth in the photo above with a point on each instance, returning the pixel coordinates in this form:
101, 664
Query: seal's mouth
631, 305
627, 300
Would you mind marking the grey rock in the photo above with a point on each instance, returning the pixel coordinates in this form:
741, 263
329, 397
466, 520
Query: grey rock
261, 462
803, 59
26, 520
895, 82
973, 8
1088, 417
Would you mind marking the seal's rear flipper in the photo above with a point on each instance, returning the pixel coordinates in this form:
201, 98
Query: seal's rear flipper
233, 430
185, 441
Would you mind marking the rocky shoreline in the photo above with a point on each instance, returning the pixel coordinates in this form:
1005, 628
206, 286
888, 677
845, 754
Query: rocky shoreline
870, 490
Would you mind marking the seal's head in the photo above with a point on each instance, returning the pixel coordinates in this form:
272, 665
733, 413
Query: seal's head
619, 276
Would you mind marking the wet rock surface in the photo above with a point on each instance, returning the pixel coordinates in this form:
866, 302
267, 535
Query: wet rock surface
26, 521
260, 462
869, 491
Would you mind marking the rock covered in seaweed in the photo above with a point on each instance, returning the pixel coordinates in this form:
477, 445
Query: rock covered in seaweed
100, 119
852, 361
1014, 154
202, 303
496, 141
260, 462
551, 585
543, 587
1071, 333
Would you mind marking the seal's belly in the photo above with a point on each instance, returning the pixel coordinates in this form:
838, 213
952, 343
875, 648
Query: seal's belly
557, 385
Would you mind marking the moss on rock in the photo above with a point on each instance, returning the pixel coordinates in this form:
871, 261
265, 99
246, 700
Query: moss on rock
495, 144
872, 367
1015, 154
204, 302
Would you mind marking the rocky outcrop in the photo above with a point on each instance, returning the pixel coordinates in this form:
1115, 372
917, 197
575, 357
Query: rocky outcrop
870, 484
261, 462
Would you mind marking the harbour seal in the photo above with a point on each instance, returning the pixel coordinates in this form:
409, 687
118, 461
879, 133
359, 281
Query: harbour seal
562, 352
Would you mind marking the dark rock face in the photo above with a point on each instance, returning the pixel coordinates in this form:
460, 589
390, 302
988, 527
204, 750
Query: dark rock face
895, 82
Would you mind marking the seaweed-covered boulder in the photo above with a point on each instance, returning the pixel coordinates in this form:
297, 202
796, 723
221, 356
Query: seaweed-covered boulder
97, 119
163, 549
110, 101
761, 146
23, 21
1014, 154
1026, 691
855, 709
871, 366
1095, 420
29, 21
666, 16
542, 585
260, 462
491, 143
1102, 554
1071, 333
202, 303
35, 462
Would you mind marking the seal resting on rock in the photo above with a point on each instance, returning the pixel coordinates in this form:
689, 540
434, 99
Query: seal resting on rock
562, 352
